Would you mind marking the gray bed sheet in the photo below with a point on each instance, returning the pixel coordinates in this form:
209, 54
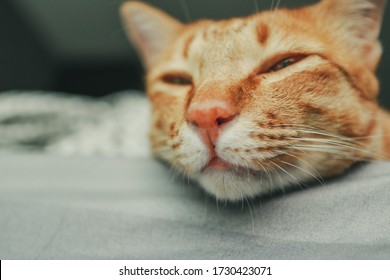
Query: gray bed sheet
55, 207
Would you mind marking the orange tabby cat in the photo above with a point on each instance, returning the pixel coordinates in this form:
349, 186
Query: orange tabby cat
247, 105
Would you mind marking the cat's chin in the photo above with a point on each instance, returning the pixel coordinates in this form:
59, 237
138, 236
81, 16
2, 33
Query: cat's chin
234, 184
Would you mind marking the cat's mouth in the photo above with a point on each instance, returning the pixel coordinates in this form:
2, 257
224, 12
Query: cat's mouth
216, 163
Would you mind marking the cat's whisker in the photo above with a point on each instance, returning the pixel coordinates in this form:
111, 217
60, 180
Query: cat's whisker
242, 202
188, 180
305, 171
173, 175
251, 214
341, 157
318, 177
350, 143
330, 135
318, 131
331, 148
186, 10
217, 205
329, 151
256, 6
275, 171
330, 142
277, 5
173, 169
314, 130
286, 172
327, 141
261, 174
267, 172
371, 137
340, 146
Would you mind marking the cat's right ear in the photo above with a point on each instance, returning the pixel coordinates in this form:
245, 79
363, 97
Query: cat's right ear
150, 30
357, 22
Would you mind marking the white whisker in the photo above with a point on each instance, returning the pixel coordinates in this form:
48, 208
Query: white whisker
329, 151
277, 4
304, 170
326, 141
242, 202
332, 144
186, 10
318, 177
322, 133
173, 169
280, 178
267, 172
288, 173
332, 141
256, 6
251, 213
314, 130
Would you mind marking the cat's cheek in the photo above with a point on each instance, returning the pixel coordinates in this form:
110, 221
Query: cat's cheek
193, 153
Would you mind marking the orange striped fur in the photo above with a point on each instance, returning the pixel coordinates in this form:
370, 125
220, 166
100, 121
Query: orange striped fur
299, 87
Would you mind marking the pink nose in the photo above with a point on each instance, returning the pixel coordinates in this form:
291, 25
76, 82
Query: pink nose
209, 118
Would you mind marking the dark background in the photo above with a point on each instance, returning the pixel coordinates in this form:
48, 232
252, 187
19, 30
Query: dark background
78, 46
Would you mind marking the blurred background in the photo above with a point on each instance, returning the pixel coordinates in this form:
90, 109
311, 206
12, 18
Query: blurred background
78, 46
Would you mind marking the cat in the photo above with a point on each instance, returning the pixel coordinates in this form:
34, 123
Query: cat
249, 105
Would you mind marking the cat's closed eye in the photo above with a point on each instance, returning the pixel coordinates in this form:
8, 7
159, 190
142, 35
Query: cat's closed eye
285, 62
180, 79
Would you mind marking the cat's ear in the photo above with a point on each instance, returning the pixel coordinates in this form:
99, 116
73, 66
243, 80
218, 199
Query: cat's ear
149, 29
359, 22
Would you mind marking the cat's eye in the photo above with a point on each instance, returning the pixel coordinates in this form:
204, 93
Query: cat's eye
285, 62
180, 79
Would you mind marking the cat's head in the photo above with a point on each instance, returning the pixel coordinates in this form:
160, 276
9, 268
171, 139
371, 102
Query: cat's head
251, 104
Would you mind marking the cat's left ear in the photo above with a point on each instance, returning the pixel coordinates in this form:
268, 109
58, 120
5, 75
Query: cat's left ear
149, 29
359, 22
